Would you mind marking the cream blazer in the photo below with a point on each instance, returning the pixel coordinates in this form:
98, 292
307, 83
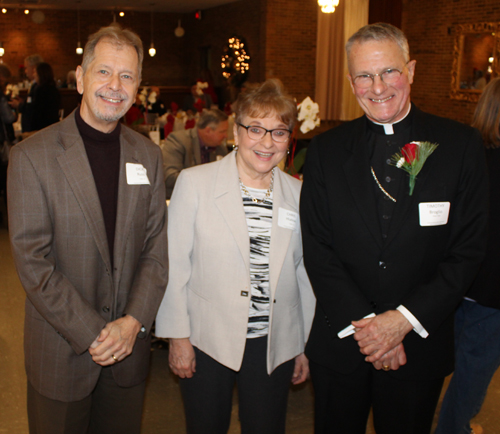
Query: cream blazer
208, 293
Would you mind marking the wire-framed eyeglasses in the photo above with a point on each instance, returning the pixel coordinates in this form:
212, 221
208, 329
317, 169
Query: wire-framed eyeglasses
257, 133
389, 76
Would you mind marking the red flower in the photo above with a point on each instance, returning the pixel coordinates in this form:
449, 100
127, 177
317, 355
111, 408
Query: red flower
199, 105
410, 152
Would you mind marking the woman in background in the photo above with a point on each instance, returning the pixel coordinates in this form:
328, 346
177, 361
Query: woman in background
477, 319
47, 99
239, 306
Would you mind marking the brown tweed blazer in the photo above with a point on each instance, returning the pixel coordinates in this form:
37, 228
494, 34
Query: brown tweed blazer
59, 244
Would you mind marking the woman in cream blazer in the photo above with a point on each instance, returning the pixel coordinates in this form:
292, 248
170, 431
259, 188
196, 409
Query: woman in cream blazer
206, 312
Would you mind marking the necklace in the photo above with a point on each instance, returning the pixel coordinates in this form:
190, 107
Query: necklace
381, 188
268, 192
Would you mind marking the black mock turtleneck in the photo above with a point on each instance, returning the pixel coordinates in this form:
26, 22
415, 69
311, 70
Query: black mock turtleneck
103, 153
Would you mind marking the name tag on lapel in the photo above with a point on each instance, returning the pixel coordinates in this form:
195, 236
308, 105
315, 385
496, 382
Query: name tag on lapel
434, 213
136, 174
288, 219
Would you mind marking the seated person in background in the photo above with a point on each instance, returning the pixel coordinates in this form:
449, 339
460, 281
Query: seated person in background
158, 106
70, 82
199, 145
47, 99
196, 100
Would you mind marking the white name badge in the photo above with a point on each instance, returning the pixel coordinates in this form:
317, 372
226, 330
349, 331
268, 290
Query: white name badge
136, 174
433, 213
288, 219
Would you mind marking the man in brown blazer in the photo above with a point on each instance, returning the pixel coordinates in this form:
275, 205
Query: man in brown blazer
87, 221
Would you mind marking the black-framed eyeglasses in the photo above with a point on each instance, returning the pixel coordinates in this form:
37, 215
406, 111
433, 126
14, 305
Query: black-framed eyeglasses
257, 133
389, 76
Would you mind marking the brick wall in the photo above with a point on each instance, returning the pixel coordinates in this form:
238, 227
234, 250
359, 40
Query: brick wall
430, 28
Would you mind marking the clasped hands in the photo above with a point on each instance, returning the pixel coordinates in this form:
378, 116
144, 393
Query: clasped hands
116, 341
380, 339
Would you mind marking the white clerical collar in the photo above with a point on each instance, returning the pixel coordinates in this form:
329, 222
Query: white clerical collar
388, 129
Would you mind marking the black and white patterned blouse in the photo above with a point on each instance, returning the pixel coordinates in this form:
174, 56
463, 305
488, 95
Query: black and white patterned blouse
259, 221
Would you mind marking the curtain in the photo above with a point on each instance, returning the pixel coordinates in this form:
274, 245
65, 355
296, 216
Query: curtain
333, 91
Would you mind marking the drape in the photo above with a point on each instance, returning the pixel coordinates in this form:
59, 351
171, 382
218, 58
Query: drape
333, 91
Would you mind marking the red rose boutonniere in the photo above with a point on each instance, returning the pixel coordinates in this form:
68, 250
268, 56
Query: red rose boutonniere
412, 158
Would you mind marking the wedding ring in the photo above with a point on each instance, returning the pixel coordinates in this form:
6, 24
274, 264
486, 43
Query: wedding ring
116, 360
386, 367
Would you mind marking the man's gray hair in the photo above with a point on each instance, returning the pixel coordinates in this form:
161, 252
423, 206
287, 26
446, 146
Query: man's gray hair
380, 32
113, 34
33, 60
211, 118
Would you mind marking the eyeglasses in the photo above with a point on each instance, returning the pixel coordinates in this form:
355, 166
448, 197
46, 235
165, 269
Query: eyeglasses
257, 133
389, 76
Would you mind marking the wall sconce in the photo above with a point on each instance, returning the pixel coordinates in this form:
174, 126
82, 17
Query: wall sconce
328, 6
4, 11
122, 14
26, 11
152, 50
2, 50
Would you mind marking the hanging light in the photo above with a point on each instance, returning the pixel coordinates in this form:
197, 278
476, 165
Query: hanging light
179, 31
152, 50
79, 49
328, 6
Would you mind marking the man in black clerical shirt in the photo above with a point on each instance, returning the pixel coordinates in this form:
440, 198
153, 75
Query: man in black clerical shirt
87, 224
388, 264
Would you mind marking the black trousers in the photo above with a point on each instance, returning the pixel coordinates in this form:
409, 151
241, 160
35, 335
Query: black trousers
262, 398
343, 402
110, 409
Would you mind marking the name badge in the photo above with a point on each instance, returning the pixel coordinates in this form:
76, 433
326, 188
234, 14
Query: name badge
288, 219
136, 174
433, 213
29, 100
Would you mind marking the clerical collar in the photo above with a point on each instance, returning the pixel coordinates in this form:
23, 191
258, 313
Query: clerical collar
88, 131
390, 129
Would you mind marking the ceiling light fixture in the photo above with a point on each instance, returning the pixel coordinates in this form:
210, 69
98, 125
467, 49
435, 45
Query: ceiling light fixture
79, 49
328, 6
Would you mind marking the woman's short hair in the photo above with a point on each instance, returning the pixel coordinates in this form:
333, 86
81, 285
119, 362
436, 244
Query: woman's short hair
487, 114
117, 36
45, 74
380, 32
266, 99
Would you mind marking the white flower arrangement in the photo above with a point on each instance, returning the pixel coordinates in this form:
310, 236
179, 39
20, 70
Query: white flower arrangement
308, 115
147, 97
200, 86
12, 90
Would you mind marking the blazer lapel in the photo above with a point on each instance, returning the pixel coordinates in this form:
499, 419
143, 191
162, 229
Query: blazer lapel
127, 202
280, 237
359, 177
228, 200
76, 168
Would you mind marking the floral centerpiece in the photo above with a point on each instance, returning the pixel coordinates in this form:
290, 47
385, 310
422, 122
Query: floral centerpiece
12, 90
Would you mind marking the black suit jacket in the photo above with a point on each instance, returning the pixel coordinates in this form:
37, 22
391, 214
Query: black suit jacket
427, 269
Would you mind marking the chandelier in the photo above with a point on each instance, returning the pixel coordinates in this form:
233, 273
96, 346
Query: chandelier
328, 6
